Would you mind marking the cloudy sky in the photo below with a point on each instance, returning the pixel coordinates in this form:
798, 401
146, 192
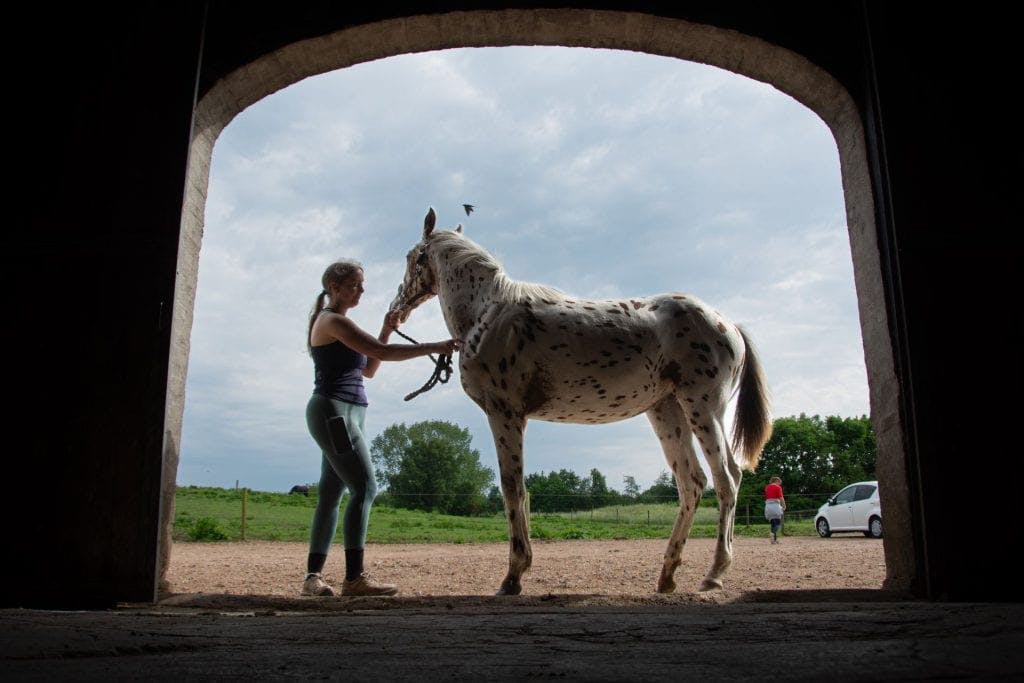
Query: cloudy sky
604, 174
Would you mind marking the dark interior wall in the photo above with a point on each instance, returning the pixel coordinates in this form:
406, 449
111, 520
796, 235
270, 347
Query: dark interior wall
103, 106
99, 107
949, 172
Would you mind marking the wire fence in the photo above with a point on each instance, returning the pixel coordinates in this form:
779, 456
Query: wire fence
243, 514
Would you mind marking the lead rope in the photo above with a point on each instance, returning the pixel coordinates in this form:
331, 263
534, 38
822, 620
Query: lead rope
442, 370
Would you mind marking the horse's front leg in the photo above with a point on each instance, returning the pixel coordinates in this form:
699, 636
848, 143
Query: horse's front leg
507, 430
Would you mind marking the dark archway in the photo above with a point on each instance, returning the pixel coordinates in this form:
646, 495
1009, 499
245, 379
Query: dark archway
731, 50
105, 98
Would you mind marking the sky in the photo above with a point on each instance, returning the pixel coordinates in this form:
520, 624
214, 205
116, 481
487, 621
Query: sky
601, 173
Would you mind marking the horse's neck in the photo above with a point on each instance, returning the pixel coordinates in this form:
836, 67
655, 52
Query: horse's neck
465, 293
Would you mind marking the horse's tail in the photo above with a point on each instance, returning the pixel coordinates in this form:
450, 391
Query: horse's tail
753, 425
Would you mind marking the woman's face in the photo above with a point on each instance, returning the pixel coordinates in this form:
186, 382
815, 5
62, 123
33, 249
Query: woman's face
347, 293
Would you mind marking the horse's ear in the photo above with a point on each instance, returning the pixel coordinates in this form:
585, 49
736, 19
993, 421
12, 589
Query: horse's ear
458, 228
428, 223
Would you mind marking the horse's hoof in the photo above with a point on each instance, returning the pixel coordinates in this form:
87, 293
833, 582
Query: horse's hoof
509, 587
666, 586
711, 585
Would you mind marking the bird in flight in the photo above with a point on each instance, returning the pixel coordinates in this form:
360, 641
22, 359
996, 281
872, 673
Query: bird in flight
469, 208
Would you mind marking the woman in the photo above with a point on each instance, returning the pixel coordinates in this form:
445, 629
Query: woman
343, 354
774, 505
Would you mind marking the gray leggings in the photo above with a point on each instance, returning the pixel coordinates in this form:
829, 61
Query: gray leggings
337, 428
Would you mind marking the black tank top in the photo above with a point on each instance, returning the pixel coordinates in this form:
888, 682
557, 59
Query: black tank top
338, 373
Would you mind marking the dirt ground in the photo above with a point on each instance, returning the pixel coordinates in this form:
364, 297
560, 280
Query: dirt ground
559, 567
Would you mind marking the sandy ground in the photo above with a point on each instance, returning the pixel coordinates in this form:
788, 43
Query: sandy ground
559, 567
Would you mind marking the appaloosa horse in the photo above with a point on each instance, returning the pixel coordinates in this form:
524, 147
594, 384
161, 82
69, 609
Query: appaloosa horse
533, 352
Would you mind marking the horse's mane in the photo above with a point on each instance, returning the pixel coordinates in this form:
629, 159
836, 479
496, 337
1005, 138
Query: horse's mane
463, 251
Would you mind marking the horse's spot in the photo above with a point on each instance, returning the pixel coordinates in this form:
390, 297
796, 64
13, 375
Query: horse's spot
679, 334
721, 328
679, 298
536, 394
679, 433
624, 306
702, 357
637, 304
655, 307
589, 308
502, 366
521, 344
672, 372
614, 405
512, 360
602, 392
698, 371
504, 385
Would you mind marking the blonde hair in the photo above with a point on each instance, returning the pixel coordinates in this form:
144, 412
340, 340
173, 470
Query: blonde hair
336, 274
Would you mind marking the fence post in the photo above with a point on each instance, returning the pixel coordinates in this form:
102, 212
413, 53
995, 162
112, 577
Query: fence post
245, 496
648, 517
748, 515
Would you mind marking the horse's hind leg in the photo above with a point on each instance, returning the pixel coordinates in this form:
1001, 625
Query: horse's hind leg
670, 425
508, 441
726, 474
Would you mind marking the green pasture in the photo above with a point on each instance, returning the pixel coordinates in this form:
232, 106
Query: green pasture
216, 514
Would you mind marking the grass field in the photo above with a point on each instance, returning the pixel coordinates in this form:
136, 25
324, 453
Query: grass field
216, 514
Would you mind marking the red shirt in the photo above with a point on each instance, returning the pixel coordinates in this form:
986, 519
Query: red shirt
772, 491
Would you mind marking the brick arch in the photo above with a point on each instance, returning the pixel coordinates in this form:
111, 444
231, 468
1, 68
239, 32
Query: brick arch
724, 48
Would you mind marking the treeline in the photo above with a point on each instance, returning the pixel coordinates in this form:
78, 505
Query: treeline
431, 466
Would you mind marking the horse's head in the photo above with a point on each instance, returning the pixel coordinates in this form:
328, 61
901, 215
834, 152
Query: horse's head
420, 281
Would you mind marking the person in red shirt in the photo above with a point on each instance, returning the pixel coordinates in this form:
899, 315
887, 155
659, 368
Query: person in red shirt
774, 505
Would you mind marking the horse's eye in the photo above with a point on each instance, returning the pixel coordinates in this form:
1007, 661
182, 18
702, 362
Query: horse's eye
422, 258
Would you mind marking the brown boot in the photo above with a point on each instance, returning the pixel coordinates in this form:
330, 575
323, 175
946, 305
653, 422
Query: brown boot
364, 585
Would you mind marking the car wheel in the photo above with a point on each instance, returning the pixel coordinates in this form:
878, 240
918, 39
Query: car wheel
823, 529
875, 527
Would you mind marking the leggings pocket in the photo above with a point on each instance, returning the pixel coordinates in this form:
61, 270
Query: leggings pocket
338, 431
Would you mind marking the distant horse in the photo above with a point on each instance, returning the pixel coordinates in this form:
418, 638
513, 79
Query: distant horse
534, 352
304, 490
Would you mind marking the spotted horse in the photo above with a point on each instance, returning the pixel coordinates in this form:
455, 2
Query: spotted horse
532, 352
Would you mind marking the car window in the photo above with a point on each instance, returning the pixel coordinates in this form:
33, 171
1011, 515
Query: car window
865, 491
846, 495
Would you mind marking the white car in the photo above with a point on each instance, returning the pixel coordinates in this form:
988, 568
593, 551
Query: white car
855, 508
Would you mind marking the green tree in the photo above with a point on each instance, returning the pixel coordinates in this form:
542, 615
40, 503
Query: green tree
663, 490
815, 457
630, 489
431, 466
557, 491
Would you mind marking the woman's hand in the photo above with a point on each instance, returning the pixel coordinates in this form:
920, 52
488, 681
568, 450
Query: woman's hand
392, 319
450, 346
